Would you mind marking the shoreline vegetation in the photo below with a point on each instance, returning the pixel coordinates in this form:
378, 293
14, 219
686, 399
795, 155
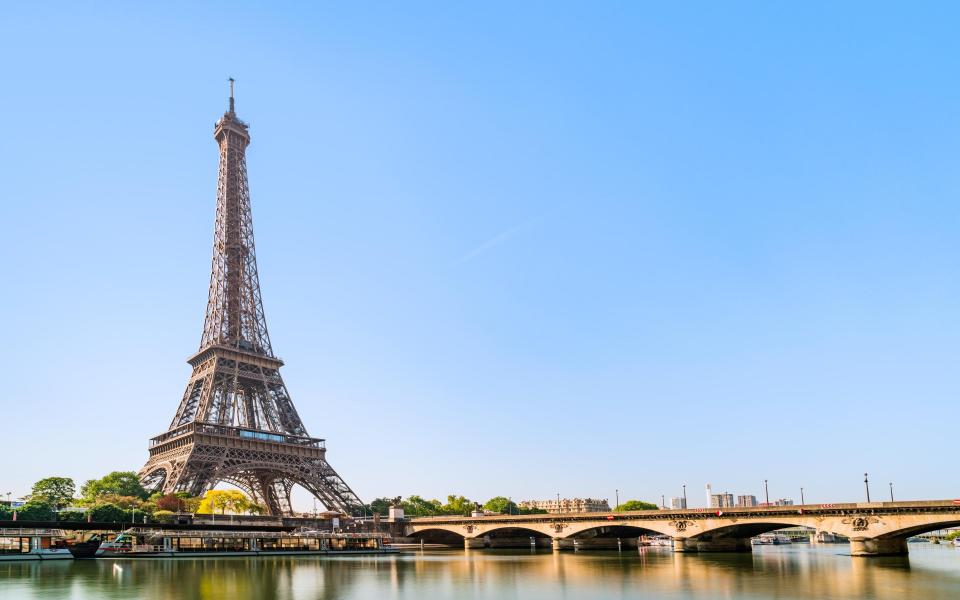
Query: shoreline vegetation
118, 496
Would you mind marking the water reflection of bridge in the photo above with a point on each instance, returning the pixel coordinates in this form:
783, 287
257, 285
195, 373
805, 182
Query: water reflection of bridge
647, 573
874, 529
659, 573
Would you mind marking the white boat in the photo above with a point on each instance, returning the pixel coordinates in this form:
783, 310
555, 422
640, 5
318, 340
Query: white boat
772, 539
32, 543
826, 537
956, 542
657, 540
138, 542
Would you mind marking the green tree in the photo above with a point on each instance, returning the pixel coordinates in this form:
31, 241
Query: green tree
109, 513
73, 516
190, 504
124, 502
147, 507
636, 505
36, 510
381, 505
499, 504
56, 491
415, 506
163, 516
459, 505
118, 483
532, 511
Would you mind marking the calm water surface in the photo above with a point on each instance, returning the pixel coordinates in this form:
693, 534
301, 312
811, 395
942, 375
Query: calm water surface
784, 572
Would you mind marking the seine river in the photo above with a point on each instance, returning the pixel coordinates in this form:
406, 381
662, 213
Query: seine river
784, 572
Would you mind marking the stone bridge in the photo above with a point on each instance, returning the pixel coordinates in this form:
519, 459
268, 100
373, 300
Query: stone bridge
874, 528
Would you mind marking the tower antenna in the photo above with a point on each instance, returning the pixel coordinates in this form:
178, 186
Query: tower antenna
231, 93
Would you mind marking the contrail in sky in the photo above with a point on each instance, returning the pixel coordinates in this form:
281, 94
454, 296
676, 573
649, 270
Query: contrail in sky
492, 242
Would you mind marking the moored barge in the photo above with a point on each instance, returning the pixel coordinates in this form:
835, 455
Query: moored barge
32, 543
137, 542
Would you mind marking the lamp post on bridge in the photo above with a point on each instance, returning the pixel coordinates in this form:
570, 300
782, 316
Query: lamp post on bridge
802, 501
891, 491
617, 492
766, 492
866, 483
685, 495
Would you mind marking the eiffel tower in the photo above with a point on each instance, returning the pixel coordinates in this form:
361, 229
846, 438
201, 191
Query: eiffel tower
236, 422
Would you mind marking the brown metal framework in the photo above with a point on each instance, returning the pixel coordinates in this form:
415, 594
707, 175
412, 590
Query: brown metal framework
236, 422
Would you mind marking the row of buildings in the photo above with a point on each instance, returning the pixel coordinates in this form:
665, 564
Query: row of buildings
725, 500
585, 505
568, 505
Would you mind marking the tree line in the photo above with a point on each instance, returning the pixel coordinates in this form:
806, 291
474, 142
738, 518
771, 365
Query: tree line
117, 497
416, 506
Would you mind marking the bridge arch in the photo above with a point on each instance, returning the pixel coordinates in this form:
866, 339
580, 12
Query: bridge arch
271, 484
156, 477
514, 531
439, 535
627, 529
743, 530
913, 530
514, 536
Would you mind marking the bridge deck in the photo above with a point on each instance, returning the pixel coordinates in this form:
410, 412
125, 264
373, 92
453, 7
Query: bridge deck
826, 510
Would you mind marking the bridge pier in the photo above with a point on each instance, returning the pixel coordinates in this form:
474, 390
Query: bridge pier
720, 544
563, 544
878, 546
473, 543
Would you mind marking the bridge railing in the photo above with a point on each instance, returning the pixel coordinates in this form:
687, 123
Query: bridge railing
30, 531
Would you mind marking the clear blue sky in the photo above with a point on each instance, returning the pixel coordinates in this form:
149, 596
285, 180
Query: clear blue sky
517, 248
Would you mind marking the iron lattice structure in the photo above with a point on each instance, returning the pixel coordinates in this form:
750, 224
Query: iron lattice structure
236, 422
